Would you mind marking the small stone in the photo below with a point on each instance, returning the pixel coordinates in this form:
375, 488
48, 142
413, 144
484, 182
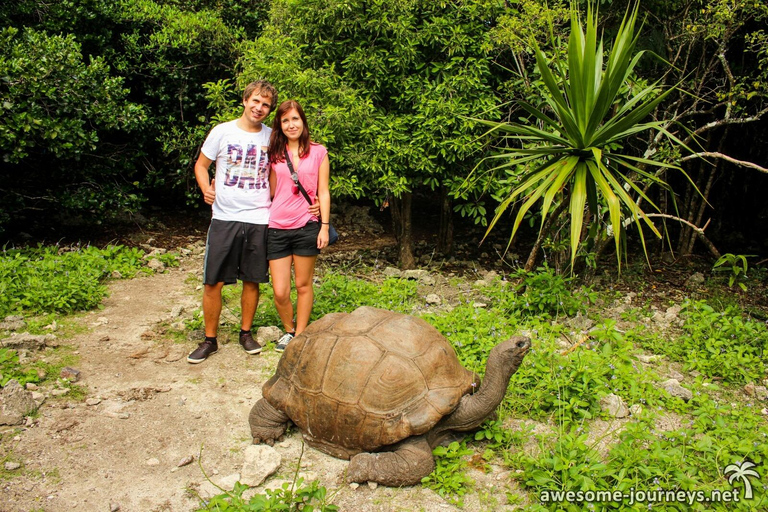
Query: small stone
761, 392
260, 462
636, 410
31, 386
64, 424
433, 299
284, 444
59, 392
104, 338
674, 374
116, 275
479, 305
152, 462
118, 415
114, 507
372, 485
12, 466
695, 281
673, 387
614, 406
189, 459
354, 485
37, 396
69, 373
102, 320
93, 401
156, 265
764, 411
12, 323
648, 358
177, 311
268, 334
749, 389
26, 341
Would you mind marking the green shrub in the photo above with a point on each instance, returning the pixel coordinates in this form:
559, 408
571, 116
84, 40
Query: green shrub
302, 496
449, 479
53, 280
569, 386
10, 369
720, 343
543, 292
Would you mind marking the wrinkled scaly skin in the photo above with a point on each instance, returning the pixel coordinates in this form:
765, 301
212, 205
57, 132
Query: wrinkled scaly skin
408, 461
267, 423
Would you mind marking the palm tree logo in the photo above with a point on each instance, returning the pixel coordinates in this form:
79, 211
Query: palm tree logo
742, 470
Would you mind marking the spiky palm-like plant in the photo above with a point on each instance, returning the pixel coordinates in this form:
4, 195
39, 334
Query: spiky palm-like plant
580, 144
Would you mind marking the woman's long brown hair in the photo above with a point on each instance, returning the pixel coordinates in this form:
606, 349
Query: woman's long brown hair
278, 140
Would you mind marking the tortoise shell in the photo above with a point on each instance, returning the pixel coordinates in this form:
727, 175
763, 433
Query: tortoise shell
367, 379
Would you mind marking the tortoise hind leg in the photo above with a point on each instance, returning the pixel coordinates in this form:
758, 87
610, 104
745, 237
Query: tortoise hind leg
267, 423
408, 462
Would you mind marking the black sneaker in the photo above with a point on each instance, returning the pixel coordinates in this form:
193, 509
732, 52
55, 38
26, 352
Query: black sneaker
250, 345
283, 342
202, 352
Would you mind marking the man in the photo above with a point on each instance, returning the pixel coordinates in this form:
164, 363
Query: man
240, 199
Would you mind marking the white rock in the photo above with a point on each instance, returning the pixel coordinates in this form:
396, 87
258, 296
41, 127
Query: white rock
156, 264
636, 409
93, 401
12, 466
673, 387
265, 335
614, 405
152, 462
372, 485
392, 272
260, 462
433, 299
354, 485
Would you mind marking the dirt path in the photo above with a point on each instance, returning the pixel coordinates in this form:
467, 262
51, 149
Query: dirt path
147, 409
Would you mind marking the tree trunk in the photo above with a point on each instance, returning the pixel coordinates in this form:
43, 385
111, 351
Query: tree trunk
557, 214
401, 222
445, 235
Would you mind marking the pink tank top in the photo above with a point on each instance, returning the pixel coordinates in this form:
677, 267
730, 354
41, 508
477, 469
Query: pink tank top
289, 210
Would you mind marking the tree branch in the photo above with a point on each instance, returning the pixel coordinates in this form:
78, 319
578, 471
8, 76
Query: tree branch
727, 158
699, 231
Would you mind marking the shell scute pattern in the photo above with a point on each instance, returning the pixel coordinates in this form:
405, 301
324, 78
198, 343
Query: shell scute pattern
368, 379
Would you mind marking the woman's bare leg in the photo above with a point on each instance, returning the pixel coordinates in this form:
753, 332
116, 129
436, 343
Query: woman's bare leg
280, 270
304, 268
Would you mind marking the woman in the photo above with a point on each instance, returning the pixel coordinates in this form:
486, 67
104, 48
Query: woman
295, 236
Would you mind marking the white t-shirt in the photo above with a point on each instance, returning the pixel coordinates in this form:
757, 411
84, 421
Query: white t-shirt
242, 173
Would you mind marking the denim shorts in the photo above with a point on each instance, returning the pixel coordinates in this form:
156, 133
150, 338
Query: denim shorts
286, 242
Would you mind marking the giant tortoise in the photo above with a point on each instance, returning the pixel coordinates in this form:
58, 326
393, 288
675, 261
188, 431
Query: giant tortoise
381, 389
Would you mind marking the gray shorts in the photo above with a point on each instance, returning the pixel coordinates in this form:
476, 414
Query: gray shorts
235, 250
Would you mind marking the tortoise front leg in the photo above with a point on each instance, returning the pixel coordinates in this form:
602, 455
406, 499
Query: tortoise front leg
409, 462
267, 423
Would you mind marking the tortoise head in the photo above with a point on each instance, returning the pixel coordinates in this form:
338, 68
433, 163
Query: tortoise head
507, 357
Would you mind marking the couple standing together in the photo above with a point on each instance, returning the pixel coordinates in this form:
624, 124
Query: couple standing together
261, 222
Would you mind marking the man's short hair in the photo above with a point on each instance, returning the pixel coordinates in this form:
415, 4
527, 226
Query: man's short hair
261, 87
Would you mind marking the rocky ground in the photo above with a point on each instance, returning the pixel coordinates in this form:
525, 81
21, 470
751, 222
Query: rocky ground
154, 433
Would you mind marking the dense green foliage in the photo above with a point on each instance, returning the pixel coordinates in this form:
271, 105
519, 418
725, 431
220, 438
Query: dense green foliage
103, 102
57, 280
